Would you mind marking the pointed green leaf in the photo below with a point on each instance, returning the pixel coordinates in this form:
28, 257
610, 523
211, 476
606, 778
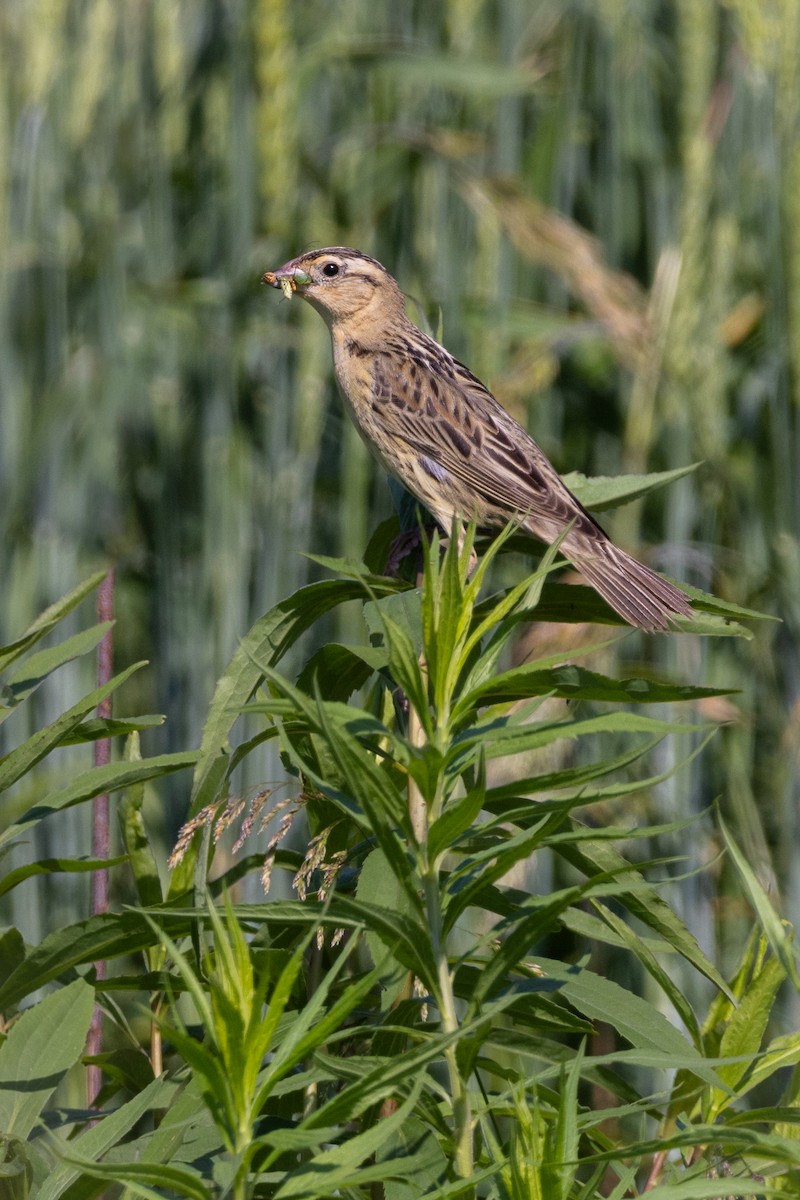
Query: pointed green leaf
135, 838
19, 761
600, 492
645, 902
35, 669
96, 728
40, 1048
634, 1019
56, 866
776, 933
266, 642
104, 936
572, 682
339, 1166
105, 1134
747, 1026
95, 782
403, 608
49, 619
141, 1178
337, 671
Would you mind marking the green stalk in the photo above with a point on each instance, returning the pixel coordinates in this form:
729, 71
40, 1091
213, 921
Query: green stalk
446, 1003
422, 815
421, 819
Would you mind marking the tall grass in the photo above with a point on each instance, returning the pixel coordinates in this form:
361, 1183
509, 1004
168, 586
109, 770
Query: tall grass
160, 411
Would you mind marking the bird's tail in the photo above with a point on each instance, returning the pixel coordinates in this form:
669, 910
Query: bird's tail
641, 597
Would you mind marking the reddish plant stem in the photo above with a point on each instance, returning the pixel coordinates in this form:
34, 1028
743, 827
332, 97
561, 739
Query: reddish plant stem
656, 1169
100, 823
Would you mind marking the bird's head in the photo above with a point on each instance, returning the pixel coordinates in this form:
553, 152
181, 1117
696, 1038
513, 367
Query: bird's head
343, 285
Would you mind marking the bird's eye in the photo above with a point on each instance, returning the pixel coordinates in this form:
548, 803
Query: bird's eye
330, 269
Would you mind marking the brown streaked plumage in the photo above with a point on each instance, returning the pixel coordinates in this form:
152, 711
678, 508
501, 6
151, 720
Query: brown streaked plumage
441, 433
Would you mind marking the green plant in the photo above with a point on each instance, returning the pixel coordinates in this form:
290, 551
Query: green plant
47, 1040
447, 1045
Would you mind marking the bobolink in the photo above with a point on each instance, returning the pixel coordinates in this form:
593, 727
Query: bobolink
436, 428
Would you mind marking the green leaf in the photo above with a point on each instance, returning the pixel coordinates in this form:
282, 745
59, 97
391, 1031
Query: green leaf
218, 1076
776, 933
571, 682
501, 615
564, 1158
339, 1166
370, 786
351, 568
96, 728
421, 1157
647, 958
382, 1079
12, 951
19, 761
577, 603
467, 1187
645, 902
500, 799
782, 1051
405, 669
19, 1166
56, 866
49, 619
600, 492
266, 642
377, 885
95, 782
514, 734
746, 1029
185, 1122
137, 1177
313, 1025
716, 1144
457, 818
469, 880
337, 671
626, 786
403, 607
105, 1134
34, 670
40, 1048
705, 1187
135, 837
401, 935
634, 1019
103, 936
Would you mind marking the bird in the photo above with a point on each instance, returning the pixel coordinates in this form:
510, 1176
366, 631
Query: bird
441, 433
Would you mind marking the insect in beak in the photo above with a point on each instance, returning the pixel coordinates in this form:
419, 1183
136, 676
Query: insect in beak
287, 281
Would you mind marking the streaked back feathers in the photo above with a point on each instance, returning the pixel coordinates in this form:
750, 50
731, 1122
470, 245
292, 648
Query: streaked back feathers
441, 432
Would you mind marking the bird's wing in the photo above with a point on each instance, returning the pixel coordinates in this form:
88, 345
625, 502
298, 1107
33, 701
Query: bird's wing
448, 417
483, 462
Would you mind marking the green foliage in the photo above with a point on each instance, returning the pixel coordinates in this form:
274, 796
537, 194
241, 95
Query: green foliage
38, 1051
154, 410
594, 204
443, 1049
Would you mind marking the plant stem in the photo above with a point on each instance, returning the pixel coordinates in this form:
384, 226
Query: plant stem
100, 824
446, 1002
417, 808
422, 816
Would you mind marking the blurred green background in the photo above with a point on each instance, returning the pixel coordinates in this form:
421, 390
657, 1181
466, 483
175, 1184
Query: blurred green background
598, 201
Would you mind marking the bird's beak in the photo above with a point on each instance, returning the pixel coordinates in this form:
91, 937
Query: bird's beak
287, 278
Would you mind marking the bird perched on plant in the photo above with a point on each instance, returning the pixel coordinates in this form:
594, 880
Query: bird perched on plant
436, 428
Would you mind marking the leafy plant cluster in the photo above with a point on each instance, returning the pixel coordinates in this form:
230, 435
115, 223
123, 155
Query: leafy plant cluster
419, 1022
